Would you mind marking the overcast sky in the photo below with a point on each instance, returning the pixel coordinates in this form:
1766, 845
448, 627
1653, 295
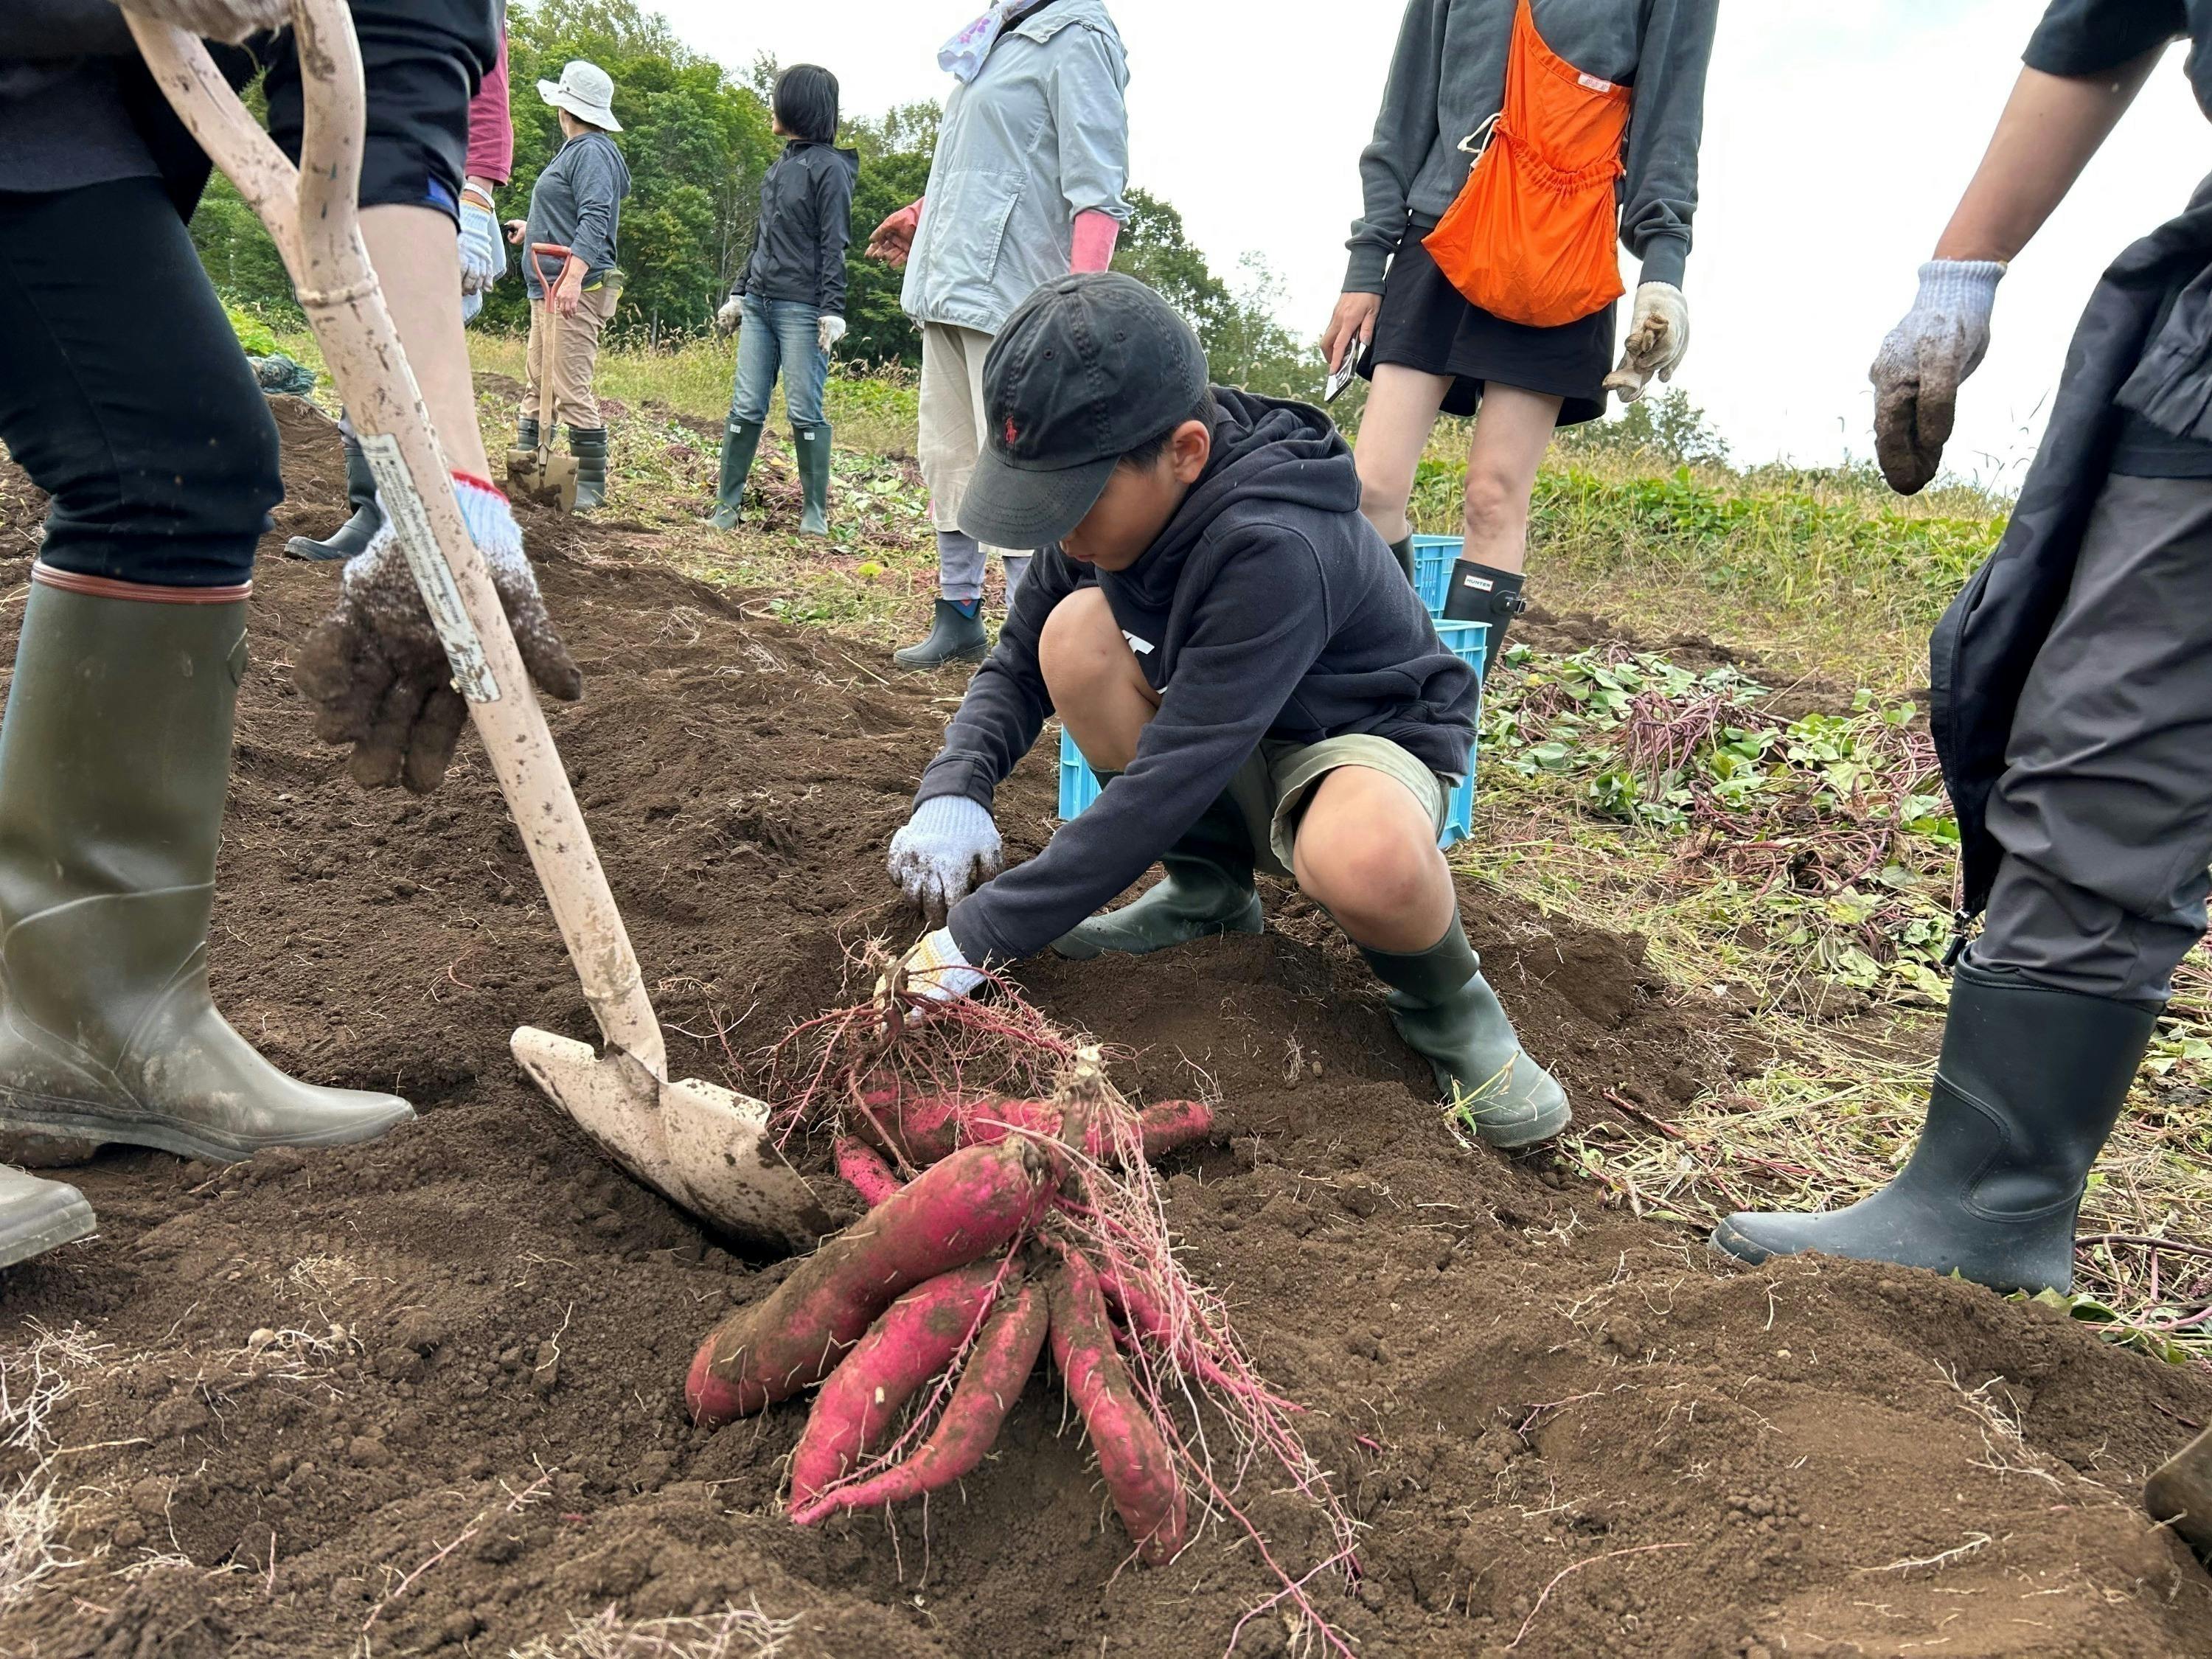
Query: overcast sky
1837, 140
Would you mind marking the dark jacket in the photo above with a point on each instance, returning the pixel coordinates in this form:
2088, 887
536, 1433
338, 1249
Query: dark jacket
806, 220
576, 203
2124, 359
1268, 608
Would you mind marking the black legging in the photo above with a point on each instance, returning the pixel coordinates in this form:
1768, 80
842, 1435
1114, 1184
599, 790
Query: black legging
123, 393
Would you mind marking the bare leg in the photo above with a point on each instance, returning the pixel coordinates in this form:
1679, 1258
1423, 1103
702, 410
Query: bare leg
1401, 414
1511, 435
417, 259
1367, 852
1095, 681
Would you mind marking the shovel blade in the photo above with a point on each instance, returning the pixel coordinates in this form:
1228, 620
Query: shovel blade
549, 480
701, 1146
2179, 1494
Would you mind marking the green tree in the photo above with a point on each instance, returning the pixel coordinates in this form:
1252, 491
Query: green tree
895, 151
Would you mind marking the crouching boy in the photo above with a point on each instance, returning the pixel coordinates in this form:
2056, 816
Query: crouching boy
1239, 655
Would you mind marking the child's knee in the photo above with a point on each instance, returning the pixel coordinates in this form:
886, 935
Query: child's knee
1080, 648
1383, 486
1365, 867
1493, 502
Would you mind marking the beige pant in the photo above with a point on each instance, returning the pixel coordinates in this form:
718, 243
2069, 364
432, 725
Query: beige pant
576, 355
1272, 788
952, 437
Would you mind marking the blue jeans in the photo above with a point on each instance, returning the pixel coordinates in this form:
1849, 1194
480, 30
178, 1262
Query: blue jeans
779, 334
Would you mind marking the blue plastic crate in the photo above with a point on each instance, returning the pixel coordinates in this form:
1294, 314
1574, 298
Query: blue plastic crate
1433, 558
1079, 785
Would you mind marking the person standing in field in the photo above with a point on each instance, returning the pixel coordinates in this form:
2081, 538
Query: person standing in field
789, 298
1517, 140
1029, 183
576, 204
2072, 704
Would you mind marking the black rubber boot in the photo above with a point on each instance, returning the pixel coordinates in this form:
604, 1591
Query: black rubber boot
955, 636
114, 761
2029, 1083
588, 444
740, 443
1479, 593
1449, 1015
1207, 890
526, 431
37, 1215
350, 538
811, 444
1403, 552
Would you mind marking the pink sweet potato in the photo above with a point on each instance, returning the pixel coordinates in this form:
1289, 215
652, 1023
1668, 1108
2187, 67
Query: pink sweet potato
915, 1339
1134, 1458
1000, 1366
863, 1169
971, 1205
929, 1128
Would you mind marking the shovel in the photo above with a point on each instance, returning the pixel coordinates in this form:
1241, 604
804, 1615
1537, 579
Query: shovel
707, 1149
539, 474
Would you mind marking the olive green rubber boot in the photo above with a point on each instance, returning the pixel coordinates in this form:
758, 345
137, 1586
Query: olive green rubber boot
740, 443
1207, 890
1449, 1015
114, 761
812, 445
37, 1216
588, 444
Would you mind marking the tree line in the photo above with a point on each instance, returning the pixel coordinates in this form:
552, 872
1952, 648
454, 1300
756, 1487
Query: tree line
697, 137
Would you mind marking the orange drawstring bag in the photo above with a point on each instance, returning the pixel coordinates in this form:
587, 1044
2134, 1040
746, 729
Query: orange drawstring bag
1530, 238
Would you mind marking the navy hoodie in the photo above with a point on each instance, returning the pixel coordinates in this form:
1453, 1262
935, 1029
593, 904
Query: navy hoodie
1268, 609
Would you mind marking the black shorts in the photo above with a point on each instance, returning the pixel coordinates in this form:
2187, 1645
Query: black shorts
1429, 325
422, 61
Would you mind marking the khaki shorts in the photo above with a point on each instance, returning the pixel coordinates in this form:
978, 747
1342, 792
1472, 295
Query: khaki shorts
1273, 788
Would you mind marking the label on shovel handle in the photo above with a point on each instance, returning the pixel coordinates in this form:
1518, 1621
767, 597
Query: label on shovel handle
441, 595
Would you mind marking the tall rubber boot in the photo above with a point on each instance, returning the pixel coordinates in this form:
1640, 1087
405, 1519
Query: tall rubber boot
956, 635
1480, 592
811, 445
350, 538
114, 760
1449, 1015
526, 431
2029, 1083
36, 1215
1403, 552
740, 443
588, 444
1207, 890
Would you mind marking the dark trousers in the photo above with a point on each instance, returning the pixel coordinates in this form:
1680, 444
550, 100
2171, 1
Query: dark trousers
123, 393
2105, 809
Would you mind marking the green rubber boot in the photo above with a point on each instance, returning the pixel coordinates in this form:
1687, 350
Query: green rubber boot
588, 444
37, 1216
740, 443
1449, 1015
1208, 890
114, 761
812, 445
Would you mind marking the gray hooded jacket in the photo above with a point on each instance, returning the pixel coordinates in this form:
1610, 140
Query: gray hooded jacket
1449, 78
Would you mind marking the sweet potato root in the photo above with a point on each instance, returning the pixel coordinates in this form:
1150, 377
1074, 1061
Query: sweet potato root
915, 1339
863, 1168
1003, 1359
967, 1207
930, 1127
1139, 1469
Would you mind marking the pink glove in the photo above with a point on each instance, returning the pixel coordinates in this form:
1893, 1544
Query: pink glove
1096, 233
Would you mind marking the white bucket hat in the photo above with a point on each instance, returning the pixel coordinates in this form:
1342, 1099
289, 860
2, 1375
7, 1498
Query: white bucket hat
586, 91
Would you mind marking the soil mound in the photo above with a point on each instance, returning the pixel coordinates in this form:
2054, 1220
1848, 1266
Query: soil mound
424, 1396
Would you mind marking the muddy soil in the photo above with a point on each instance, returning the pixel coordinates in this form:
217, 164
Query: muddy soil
425, 1395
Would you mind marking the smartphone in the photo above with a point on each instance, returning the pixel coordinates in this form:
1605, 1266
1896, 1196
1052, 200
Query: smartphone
1344, 376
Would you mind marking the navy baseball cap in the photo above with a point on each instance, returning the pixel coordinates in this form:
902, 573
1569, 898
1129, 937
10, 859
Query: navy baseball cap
1088, 368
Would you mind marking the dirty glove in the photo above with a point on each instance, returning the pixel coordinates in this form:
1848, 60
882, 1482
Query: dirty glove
215, 20
935, 970
1916, 373
948, 847
1658, 336
731, 317
484, 261
827, 330
377, 672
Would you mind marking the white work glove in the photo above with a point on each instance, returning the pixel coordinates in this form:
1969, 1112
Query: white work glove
731, 317
1658, 335
215, 20
827, 330
935, 970
947, 848
1918, 371
484, 261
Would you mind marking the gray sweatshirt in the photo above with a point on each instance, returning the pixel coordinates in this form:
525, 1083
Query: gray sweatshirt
577, 202
1449, 78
